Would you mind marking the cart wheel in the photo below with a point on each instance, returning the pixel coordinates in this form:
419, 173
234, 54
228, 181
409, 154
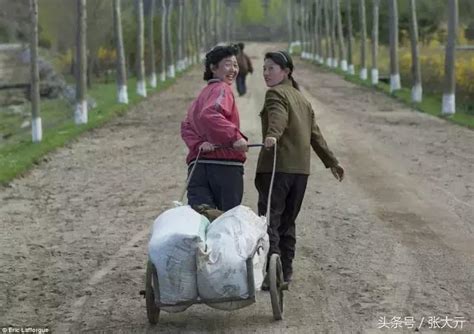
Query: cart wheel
151, 284
276, 283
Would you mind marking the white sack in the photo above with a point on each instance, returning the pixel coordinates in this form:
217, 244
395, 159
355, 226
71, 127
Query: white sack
221, 269
177, 234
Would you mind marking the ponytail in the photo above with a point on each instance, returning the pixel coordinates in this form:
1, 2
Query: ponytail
293, 81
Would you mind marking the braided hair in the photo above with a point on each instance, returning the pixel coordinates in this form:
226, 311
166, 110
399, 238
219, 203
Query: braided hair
283, 59
215, 55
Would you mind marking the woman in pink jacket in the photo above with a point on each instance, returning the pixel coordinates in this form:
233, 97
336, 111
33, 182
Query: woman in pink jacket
213, 120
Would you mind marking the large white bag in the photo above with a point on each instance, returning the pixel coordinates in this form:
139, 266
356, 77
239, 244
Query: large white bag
177, 234
221, 269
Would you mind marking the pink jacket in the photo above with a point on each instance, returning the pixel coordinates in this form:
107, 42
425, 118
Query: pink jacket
213, 117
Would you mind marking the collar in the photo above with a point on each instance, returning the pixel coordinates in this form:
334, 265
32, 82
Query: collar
211, 81
286, 81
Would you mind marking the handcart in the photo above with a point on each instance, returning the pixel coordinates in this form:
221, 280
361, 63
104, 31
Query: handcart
274, 274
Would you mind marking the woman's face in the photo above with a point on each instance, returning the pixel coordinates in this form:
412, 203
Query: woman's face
273, 73
226, 70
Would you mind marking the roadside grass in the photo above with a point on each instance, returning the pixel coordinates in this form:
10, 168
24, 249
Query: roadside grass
431, 104
19, 155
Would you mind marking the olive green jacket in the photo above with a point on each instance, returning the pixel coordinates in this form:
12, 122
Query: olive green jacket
288, 116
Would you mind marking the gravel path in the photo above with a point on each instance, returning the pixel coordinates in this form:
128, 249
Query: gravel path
395, 239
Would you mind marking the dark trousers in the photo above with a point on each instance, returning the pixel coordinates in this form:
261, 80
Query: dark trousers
287, 196
241, 86
218, 186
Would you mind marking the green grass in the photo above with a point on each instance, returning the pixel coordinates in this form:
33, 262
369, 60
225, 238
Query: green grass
53, 112
8, 122
20, 155
431, 104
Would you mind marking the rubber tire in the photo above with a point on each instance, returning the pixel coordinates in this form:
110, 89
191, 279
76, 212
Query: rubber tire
275, 277
152, 310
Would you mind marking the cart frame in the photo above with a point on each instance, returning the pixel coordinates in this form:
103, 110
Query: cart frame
274, 274
276, 284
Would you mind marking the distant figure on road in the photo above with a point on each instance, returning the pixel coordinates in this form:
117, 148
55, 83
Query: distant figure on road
213, 119
245, 67
288, 121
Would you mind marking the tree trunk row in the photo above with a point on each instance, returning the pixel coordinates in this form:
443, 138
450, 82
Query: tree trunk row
321, 32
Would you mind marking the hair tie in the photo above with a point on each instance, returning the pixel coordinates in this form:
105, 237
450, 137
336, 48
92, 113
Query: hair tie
284, 57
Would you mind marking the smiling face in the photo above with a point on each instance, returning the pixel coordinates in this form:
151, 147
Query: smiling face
273, 73
226, 70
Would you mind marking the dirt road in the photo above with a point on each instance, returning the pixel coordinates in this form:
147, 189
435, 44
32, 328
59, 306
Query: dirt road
395, 239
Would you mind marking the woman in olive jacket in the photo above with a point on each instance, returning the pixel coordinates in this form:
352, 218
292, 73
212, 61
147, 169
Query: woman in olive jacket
288, 121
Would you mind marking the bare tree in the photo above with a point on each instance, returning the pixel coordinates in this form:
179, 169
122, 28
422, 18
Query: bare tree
304, 26
151, 44
202, 25
205, 25
211, 23
375, 42
228, 14
122, 93
191, 23
417, 89
171, 67
309, 30
319, 31
181, 63
449, 97
296, 20
326, 34
187, 32
350, 63
340, 35
300, 19
197, 44
140, 62
316, 31
303, 29
363, 40
36, 127
163, 40
312, 29
393, 31
290, 25
193, 35
334, 56
80, 114
217, 20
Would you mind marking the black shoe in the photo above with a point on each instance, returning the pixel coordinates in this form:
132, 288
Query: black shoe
287, 275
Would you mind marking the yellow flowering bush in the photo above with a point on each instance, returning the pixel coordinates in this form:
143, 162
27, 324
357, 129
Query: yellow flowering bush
432, 56
63, 61
465, 78
432, 71
106, 56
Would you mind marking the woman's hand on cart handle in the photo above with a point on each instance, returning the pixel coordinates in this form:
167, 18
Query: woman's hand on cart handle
338, 172
206, 147
270, 142
240, 145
